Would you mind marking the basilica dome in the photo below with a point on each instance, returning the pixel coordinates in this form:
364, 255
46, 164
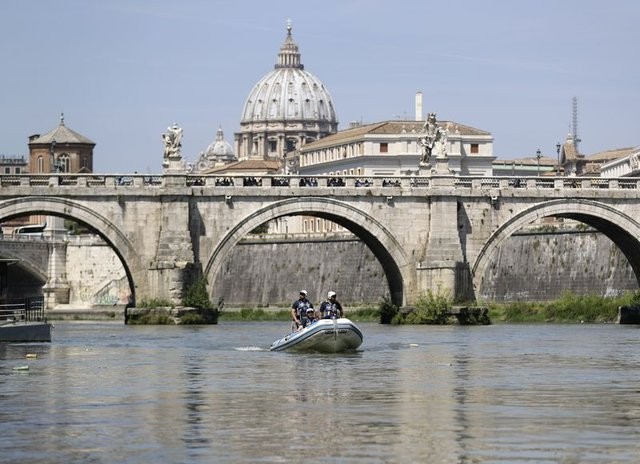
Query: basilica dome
287, 108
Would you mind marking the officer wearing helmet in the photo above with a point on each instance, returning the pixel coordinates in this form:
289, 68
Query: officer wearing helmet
331, 307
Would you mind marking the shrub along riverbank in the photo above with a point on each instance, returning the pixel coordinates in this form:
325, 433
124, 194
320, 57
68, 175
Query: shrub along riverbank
569, 308
437, 310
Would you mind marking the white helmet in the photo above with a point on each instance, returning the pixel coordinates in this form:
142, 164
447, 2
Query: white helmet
330, 294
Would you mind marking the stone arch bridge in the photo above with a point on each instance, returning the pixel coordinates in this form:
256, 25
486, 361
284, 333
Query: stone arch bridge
429, 233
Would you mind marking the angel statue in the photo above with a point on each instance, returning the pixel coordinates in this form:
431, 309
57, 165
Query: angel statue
433, 140
172, 141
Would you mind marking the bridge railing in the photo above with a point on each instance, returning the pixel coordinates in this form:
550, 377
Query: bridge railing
290, 181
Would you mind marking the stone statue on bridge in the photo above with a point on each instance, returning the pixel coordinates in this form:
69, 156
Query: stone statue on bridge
173, 162
172, 142
433, 140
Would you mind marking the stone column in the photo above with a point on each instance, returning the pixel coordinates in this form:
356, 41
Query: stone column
56, 290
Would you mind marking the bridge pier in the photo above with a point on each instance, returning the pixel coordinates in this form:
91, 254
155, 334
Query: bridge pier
443, 270
167, 281
446, 278
172, 269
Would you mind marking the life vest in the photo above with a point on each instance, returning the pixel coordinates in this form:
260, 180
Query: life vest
302, 308
330, 311
306, 321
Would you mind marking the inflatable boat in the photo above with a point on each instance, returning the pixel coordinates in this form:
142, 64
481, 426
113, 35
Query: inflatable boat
325, 336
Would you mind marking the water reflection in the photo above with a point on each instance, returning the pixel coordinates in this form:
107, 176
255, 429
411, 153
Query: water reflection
108, 393
195, 434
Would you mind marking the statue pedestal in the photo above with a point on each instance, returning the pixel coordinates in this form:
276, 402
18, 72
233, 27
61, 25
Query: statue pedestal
174, 164
442, 165
425, 169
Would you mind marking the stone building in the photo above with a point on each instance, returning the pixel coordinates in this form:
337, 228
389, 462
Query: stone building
60, 150
391, 148
286, 109
13, 164
624, 162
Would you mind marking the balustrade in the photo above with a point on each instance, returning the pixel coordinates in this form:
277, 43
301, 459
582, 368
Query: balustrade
289, 181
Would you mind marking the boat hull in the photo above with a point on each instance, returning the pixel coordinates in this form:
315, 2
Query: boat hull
325, 336
25, 332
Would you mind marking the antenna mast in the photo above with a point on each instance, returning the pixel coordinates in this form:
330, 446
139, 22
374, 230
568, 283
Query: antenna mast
574, 132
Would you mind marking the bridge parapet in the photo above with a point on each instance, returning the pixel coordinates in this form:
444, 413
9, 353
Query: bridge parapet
123, 181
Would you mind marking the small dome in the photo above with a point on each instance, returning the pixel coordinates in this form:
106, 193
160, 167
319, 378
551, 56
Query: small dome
220, 150
289, 92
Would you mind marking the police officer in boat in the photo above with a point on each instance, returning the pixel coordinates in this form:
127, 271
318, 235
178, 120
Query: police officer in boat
299, 310
309, 318
331, 307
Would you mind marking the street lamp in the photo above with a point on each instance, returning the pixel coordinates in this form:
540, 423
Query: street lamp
538, 155
558, 152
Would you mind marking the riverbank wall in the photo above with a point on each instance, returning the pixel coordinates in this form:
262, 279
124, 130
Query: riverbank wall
269, 272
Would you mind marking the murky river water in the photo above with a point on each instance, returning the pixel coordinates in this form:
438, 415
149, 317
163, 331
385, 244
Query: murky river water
109, 393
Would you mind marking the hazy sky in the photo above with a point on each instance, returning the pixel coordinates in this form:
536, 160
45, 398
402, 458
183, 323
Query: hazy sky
122, 71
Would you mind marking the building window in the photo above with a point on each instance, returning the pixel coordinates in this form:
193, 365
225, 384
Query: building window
18, 171
7, 170
40, 164
384, 147
64, 162
474, 148
85, 163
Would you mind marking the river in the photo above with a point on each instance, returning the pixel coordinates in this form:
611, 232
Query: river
110, 393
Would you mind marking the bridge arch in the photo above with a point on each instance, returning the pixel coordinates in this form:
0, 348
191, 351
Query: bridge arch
30, 266
70, 209
381, 242
620, 228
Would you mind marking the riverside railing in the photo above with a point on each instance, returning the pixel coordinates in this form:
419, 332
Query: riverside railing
292, 181
29, 309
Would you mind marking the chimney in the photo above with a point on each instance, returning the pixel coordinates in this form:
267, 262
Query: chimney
419, 106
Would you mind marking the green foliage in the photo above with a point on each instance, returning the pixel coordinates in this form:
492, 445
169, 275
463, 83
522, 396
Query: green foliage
202, 316
568, 308
634, 298
366, 314
387, 310
197, 296
431, 308
155, 303
151, 318
249, 314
